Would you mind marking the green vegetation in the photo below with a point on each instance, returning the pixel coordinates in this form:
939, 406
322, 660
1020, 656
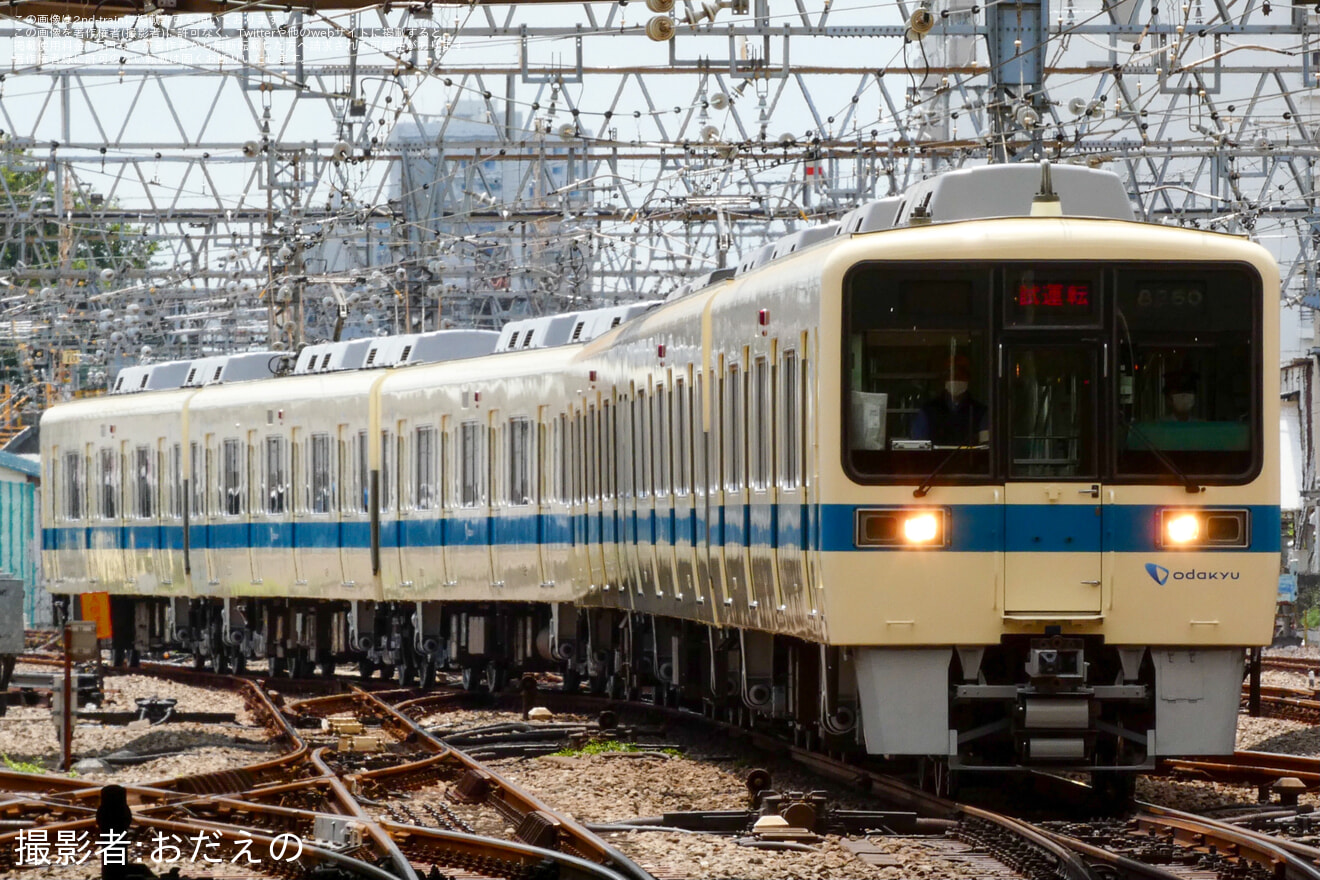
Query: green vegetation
601, 746
22, 766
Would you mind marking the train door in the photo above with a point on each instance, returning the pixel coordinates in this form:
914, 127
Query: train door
792, 519
216, 499
393, 504
301, 545
316, 551
662, 465
494, 494
700, 499
354, 521
419, 532
253, 506
630, 469
446, 479
762, 514
1052, 515
592, 470
737, 509
684, 510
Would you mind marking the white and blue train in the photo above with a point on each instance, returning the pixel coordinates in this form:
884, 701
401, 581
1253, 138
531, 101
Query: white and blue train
978, 473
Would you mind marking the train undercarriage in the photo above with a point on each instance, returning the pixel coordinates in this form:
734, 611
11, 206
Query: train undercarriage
1031, 700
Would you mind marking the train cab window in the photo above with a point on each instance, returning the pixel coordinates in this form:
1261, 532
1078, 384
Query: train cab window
471, 488
519, 483
321, 486
277, 474
1051, 398
1186, 374
75, 485
109, 483
917, 372
424, 467
231, 476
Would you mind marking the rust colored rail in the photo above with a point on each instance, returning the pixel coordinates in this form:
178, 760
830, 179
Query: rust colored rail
1254, 768
1285, 859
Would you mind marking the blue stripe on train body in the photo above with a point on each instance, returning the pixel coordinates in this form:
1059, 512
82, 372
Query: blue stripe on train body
973, 528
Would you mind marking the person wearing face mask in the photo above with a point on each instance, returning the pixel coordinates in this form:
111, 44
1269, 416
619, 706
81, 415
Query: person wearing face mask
953, 417
1179, 396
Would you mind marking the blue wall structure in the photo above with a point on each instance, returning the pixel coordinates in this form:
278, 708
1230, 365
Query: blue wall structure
20, 524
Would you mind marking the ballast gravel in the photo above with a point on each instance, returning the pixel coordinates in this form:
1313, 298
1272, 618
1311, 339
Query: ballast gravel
28, 737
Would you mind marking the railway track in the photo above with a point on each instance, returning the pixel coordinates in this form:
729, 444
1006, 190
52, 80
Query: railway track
1292, 703
308, 787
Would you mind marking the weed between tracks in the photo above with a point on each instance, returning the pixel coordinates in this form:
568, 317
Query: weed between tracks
601, 746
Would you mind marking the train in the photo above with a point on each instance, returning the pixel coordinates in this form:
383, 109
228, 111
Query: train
976, 475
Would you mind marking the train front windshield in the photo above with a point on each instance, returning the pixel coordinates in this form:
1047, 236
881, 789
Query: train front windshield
1012, 371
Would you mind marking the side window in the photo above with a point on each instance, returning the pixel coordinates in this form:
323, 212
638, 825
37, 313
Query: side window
790, 471
196, 485
74, 485
203, 477
736, 438
142, 482
424, 467
762, 441
386, 470
363, 481
322, 490
520, 461
231, 477
660, 440
176, 480
470, 481
109, 482
682, 439
642, 451
277, 474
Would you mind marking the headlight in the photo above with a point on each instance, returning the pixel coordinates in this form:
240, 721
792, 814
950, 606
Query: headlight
1182, 528
1198, 529
902, 527
921, 528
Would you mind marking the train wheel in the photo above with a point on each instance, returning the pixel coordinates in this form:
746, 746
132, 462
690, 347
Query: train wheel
471, 678
199, 660
327, 662
240, 663
598, 684
134, 658
219, 662
572, 680
366, 667
278, 666
497, 677
427, 680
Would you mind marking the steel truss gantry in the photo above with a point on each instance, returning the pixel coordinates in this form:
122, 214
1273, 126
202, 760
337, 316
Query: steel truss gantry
417, 165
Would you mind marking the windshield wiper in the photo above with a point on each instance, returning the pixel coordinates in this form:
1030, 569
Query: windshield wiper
1188, 483
924, 489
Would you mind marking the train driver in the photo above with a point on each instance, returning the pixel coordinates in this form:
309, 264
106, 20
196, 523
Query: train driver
1180, 395
954, 417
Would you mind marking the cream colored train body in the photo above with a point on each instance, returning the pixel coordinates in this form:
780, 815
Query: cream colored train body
993, 489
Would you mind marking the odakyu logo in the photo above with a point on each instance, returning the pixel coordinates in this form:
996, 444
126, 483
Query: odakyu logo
1161, 575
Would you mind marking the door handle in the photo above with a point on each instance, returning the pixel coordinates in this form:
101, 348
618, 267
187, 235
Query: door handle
1094, 491
1091, 583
